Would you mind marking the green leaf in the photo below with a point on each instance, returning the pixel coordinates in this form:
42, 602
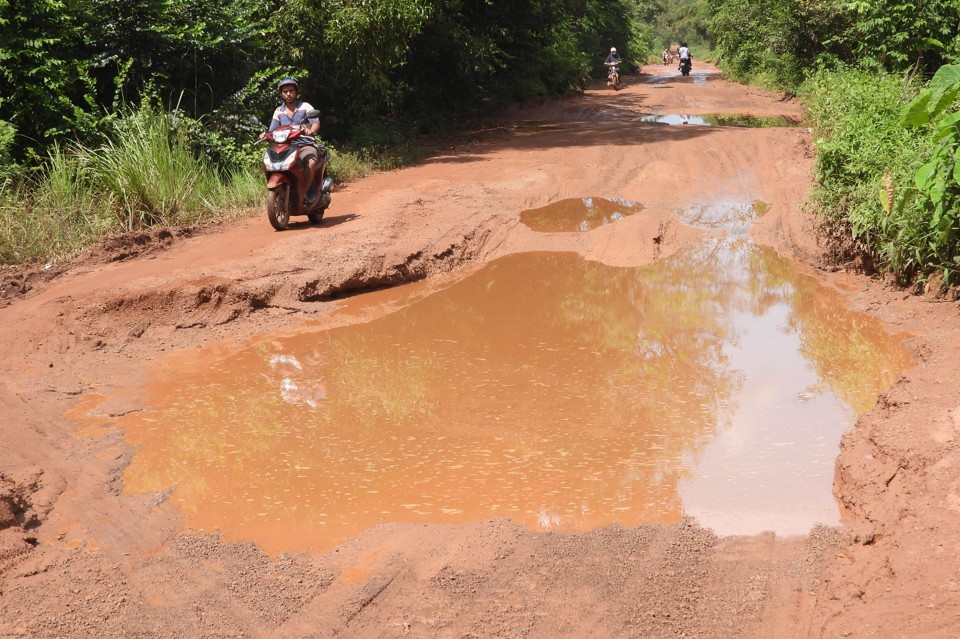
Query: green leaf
922, 176
946, 77
916, 113
945, 101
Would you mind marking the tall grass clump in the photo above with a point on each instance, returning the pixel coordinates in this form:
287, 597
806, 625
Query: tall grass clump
864, 157
151, 171
54, 213
144, 173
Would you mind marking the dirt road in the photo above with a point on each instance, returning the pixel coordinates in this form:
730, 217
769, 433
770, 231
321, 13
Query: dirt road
80, 559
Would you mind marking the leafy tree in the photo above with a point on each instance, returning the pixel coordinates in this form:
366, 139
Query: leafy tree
683, 20
898, 34
776, 41
45, 88
193, 53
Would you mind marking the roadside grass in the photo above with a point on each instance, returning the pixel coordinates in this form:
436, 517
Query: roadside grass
866, 161
142, 175
145, 174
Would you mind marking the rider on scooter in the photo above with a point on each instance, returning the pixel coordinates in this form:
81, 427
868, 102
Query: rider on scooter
685, 54
294, 111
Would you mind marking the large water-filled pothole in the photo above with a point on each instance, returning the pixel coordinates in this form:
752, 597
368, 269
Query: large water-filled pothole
561, 393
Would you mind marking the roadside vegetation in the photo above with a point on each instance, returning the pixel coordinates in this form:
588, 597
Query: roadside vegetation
880, 81
116, 115
110, 125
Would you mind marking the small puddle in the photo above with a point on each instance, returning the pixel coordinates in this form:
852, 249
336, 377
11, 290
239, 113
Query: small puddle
561, 393
725, 119
578, 214
736, 217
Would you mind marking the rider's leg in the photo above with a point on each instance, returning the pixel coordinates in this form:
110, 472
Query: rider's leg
309, 157
310, 172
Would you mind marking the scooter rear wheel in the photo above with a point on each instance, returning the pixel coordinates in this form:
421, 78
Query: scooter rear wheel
278, 207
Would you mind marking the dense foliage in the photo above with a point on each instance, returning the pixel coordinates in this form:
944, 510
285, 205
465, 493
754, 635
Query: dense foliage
777, 41
936, 198
684, 21
886, 186
108, 108
863, 154
69, 66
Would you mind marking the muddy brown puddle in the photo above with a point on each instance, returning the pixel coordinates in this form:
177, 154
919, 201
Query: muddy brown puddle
561, 393
578, 214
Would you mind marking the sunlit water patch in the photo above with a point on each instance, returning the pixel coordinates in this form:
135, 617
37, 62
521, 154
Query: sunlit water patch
724, 119
578, 214
735, 217
561, 393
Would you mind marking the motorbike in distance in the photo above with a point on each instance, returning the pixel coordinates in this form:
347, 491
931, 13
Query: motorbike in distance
287, 191
685, 66
613, 75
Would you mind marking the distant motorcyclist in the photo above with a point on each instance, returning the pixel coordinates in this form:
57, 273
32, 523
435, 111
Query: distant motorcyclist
685, 55
294, 111
613, 73
613, 58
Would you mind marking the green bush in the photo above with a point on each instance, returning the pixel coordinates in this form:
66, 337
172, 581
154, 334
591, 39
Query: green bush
865, 157
934, 198
8, 168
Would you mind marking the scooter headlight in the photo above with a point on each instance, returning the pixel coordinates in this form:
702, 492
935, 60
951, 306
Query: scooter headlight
281, 135
286, 163
279, 161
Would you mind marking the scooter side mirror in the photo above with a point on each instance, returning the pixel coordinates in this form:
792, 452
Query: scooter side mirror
253, 120
313, 113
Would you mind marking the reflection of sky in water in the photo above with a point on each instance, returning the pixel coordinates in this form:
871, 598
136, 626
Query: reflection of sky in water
735, 217
561, 393
771, 467
723, 119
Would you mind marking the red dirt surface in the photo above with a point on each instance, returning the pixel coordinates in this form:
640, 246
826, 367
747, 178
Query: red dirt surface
79, 559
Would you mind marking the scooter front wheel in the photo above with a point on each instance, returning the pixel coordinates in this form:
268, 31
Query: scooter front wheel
278, 207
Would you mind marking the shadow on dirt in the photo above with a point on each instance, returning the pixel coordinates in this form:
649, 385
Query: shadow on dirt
327, 222
336, 220
600, 117
571, 134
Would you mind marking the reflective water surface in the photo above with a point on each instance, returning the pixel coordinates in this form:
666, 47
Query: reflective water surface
735, 217
724, 119
578, 214
558, 392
